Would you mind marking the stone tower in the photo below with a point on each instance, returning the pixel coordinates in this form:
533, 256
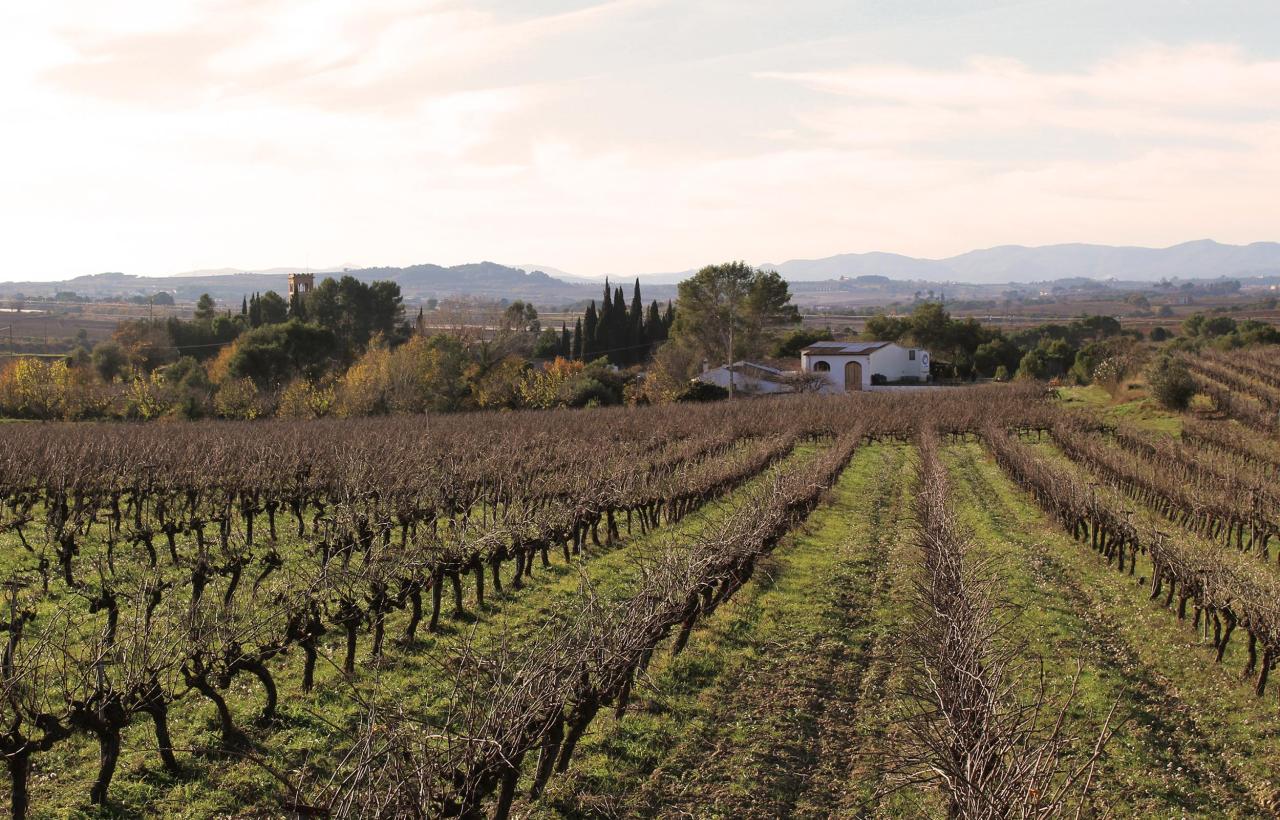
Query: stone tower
300, 284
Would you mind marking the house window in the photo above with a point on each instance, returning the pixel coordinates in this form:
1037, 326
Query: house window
821, 367
911, 355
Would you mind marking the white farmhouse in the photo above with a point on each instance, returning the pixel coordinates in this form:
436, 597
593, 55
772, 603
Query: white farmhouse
852, 365
748, 378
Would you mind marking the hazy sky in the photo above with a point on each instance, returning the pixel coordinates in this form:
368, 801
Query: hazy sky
625, 136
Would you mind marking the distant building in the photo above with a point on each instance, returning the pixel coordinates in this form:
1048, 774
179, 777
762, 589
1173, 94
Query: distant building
858, 365
748, 378
300, 284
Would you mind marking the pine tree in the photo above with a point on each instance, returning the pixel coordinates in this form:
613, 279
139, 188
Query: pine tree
577, 339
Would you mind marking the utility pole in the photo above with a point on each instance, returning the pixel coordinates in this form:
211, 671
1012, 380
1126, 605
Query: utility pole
731, 350
733, 302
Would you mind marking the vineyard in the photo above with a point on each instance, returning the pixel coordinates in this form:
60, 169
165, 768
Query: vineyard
969, 602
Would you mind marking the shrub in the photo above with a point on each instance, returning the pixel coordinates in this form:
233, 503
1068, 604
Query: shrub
591, 393
702, 391
304, 399
1033, 365
148, 397
790, 345
238, 399
38, 389
1110, 373
1171, 385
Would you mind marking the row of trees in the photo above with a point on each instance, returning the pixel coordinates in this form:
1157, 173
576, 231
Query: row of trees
346, 349
624, 336
965, 348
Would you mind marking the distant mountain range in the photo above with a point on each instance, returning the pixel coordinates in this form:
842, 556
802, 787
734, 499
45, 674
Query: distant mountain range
1203, 259
417, 282
1015, 263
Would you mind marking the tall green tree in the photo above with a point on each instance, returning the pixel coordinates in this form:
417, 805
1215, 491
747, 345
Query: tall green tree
729, 311
590, 328
206, 308
621, 335
654, 329
635, 330
354, 311
603, 343
273, 354
272, 308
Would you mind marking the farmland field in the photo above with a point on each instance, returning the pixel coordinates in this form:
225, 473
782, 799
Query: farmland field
981, 602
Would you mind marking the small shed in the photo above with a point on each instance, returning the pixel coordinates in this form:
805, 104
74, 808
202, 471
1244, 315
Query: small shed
858, 365
748, 377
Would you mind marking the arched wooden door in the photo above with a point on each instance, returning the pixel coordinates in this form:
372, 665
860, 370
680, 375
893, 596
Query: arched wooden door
853, 376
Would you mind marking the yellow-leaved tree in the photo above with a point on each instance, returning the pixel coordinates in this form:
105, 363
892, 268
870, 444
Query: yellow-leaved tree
548, 387
32, 388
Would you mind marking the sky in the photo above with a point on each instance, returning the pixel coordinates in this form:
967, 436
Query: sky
625, 136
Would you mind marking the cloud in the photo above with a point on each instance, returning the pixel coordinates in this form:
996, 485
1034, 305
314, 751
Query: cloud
1200, 92
211, 133
334, 55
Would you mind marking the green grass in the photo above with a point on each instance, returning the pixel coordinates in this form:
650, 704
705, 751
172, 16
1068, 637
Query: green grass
786, 700
775, 707
312, 725
1140, 411
1194, 742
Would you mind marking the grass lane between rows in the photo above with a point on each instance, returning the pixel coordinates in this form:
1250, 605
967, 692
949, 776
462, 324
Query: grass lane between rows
775, 707
1194, 741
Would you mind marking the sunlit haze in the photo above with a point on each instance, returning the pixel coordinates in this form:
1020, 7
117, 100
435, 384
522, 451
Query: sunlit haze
624, 137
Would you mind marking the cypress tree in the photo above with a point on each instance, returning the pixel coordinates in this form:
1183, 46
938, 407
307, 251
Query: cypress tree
590, 331
244, 305
566, 343
621, 340
602, 342
654, 330
577, 338
635, 328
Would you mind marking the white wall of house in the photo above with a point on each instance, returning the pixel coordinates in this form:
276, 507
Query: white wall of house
892, 361
744, 381
835, 369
